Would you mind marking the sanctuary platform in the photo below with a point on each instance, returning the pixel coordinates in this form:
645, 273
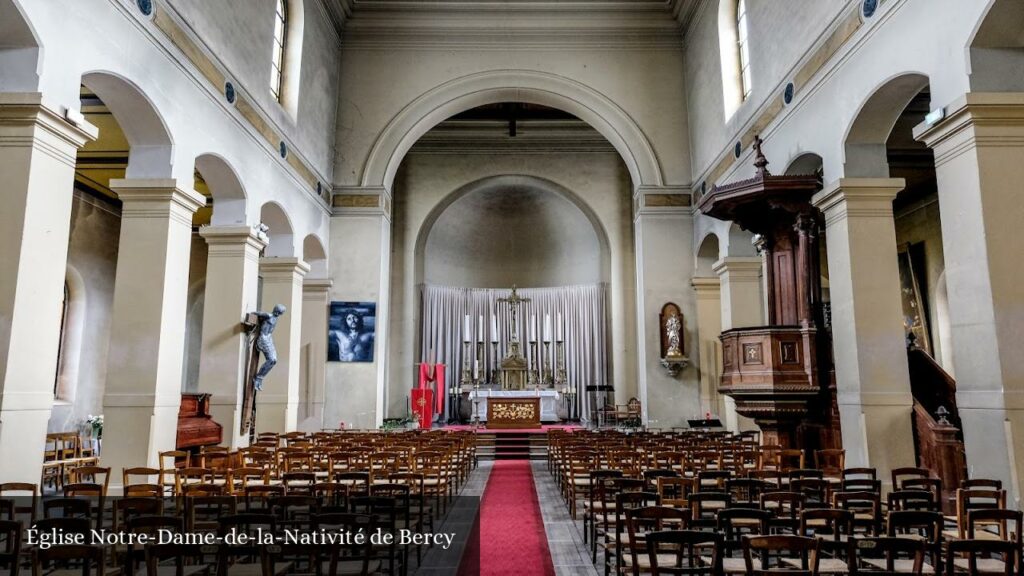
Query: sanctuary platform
507, 444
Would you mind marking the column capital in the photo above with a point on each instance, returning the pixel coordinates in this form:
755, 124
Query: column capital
24, 118
738, 267
361, 201
234, 236
315, 286
656, 200
858, 197
283, 267
706, 286
995, 117
156, 198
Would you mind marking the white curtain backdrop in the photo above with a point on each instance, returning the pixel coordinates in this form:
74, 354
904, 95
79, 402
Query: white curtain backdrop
584, 318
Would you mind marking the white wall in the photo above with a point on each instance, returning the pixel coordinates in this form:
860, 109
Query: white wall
512, 235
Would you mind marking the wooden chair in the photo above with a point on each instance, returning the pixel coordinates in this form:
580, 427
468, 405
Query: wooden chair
640, 522
93, 558
678, 552
886, 555
764, 548
10, 546
979, 557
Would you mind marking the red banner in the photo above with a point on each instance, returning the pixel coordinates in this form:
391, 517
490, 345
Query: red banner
423, 406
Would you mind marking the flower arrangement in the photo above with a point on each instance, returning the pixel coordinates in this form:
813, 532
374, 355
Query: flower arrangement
393, 424
96, 422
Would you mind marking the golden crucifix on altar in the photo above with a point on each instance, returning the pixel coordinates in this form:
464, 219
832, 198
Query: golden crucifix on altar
513, 366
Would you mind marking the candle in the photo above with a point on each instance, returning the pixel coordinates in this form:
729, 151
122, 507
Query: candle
559, 331
465, 330
480, 328
533, 327
494, 328
547, 327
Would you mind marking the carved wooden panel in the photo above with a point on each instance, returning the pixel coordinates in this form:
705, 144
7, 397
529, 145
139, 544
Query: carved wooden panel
513, 412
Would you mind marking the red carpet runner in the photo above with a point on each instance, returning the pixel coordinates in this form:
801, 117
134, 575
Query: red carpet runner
512, 538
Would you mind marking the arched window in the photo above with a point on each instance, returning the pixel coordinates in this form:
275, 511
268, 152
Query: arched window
280, 39
743, 47
734, 49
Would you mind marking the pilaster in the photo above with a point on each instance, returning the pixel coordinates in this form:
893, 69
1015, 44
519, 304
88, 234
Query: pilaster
979, 166
872, 382
143, 388
278, 403
315, 308
231, 290
37, 160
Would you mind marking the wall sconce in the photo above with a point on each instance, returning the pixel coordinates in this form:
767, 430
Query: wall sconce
670, 323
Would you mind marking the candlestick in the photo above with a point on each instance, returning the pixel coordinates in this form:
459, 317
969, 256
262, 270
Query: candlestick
476, 369
465, 330
494, 328
466, 376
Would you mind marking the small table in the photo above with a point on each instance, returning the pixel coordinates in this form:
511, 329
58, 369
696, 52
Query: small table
513, 412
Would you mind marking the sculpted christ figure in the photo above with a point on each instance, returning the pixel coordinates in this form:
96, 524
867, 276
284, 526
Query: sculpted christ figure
265, 343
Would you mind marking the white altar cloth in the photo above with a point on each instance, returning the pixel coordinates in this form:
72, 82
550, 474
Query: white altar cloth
548, 401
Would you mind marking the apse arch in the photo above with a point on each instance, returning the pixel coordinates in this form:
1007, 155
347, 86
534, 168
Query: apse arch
864, 143
229, 197
281, 232
151, 148
498, 182
20, 52
466, 92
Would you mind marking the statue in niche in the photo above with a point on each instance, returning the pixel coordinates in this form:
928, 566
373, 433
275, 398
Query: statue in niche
672, 327
265, 343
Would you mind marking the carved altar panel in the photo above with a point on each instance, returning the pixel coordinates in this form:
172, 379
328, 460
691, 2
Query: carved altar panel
513, 412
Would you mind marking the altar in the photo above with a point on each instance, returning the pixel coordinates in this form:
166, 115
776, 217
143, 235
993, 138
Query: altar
548, 401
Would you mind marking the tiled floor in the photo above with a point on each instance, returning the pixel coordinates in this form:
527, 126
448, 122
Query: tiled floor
460, 518
570, 555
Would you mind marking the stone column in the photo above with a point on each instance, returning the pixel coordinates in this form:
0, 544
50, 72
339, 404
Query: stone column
313, 372
147, 334
873, 385
979, 164
37, 160
231, 284
360, 266
277, 404
741, 298
663, 230
708, 349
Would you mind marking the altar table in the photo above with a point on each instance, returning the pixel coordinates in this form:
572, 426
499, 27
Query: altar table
548, 401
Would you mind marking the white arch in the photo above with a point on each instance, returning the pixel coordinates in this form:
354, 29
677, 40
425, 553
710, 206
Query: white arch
864, 151
229, 197
314, 254
20, 50
528, 86
281, 233
151, 148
